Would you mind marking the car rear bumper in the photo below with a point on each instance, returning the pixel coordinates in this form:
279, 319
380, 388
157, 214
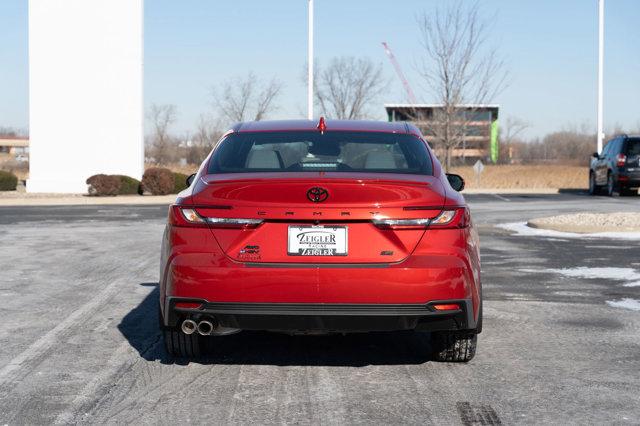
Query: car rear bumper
327, 317
418, 280
629, 178
324, 296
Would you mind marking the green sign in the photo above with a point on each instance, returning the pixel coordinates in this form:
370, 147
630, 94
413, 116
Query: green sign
494, 148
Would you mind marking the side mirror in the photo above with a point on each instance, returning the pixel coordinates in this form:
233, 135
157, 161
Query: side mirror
190, 179
456, 182
595, 155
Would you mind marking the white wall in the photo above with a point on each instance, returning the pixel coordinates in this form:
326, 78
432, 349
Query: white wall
85, 96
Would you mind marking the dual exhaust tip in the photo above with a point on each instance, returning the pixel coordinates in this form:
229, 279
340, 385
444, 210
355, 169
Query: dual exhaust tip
203, 328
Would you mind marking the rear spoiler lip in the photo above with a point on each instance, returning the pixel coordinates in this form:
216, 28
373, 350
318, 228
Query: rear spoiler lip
212, 179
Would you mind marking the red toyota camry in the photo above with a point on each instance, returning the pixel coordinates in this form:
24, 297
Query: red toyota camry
307, 227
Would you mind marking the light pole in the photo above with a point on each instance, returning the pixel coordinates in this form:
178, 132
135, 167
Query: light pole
310, 64
600, 74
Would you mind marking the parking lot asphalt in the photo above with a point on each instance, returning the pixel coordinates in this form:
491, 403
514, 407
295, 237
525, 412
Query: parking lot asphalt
79, 341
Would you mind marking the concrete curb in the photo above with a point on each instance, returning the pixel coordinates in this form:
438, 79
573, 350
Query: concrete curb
550, 223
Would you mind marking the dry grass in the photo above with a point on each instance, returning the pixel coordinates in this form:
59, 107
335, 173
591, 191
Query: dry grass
525, 177
176, 167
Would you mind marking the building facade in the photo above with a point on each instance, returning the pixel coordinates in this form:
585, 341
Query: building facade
11, 147
475, 125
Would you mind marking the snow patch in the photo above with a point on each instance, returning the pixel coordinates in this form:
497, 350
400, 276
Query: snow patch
614, 274
625, 303
522, 229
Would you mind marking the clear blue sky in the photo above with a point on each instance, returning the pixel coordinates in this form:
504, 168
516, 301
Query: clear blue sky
190, 45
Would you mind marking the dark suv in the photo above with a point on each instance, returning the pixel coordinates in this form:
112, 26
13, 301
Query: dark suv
617, 169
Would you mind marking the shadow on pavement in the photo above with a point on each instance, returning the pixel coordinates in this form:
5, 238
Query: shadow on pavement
140, 328
574, 191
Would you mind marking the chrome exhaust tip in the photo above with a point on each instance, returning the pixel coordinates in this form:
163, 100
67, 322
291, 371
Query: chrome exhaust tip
189, 326
205, 327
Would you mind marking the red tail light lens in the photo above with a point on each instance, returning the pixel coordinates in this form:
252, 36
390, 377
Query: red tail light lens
447, 219
187, 216
446, 307
188, 305
621, 160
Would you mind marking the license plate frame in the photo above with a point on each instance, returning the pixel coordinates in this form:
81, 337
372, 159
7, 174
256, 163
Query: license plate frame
324, 246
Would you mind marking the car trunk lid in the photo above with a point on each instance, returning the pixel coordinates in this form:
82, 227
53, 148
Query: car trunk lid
316, 206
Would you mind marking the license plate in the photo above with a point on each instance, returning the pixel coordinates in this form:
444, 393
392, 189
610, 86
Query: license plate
317, 241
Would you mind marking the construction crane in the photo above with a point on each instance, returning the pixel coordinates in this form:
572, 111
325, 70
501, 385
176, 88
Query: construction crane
396, 65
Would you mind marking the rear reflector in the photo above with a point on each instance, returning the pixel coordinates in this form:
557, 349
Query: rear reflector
188, 305
446, 307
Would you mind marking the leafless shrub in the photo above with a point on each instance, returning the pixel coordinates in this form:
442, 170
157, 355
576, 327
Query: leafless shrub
158, 181
563, 147
103, 185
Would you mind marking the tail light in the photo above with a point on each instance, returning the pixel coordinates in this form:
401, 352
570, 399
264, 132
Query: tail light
401, 223
188, 216
621, 160
452, 219
447, 219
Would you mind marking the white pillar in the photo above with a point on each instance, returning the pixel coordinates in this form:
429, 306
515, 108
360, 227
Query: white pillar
85, 81
310, 62
600, 74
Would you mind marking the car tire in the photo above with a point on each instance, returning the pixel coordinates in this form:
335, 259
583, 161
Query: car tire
454, 346
627, 192
181, 345
593, 188
610, 188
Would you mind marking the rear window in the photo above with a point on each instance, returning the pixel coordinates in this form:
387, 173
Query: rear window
329, 152
633, 146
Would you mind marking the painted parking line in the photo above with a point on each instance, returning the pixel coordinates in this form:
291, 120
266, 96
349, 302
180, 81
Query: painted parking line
500, 197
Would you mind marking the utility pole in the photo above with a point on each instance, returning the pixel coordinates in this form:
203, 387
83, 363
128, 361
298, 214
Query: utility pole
600, 74
310, 64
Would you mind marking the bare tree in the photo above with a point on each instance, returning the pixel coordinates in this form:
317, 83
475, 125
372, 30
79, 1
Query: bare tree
243, 99
458, 68
207, 134
513, 128
8, 132
160, 141
347, 86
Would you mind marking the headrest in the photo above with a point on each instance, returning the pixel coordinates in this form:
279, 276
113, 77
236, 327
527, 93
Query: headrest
379, 159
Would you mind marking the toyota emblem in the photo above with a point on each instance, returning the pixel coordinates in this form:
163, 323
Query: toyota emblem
317, 194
